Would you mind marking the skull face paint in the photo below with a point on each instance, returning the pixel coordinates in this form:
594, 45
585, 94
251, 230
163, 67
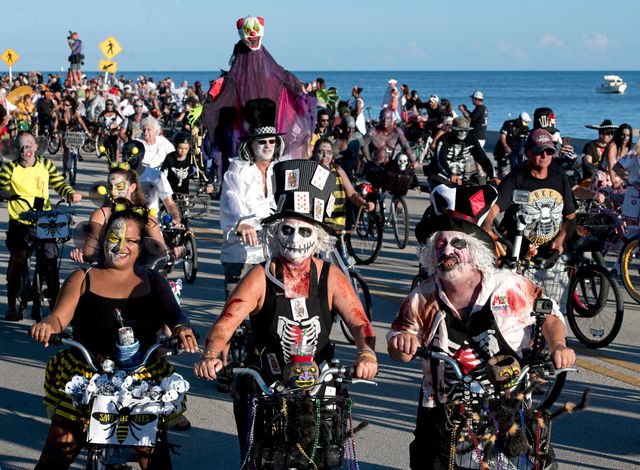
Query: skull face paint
118, 186
251, 31
118, 241
297, 240
452, 254
403, 162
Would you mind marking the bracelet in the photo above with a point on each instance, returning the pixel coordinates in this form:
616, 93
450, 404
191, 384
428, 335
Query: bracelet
370, 354
176, 326
59, 323
207, 351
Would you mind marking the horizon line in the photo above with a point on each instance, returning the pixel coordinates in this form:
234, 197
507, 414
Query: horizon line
334, 71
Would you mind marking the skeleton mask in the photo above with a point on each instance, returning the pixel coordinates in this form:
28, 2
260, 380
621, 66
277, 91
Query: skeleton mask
297, 240
251, 30
118, 186
403, 162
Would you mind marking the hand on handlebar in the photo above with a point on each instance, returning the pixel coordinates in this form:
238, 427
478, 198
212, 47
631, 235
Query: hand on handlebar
187, 338
76, 198
406, 344
456, 179
365, 366
208, 366
77, 255
248, 234
562, 355
41, 332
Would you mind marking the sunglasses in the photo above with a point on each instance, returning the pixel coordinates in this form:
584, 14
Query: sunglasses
607, 133
547, 152
266, 141
324, 120
137, 106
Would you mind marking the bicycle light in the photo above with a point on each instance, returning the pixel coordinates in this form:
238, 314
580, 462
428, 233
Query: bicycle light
167, 219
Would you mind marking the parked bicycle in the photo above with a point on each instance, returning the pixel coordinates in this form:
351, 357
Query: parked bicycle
281, 414
123, 416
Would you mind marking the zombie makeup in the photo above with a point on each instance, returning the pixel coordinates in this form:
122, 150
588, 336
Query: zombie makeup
324, 154
263, 148
451, 250
251, 31
118, 186
297, 240
116, 242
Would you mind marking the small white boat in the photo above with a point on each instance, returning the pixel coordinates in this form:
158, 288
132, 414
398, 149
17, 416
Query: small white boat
612, 84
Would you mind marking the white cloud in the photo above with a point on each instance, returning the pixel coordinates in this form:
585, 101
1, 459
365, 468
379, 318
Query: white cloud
596, 42
413, 51
549, 40
512, 52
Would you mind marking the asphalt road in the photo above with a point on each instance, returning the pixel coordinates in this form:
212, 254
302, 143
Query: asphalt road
606, 435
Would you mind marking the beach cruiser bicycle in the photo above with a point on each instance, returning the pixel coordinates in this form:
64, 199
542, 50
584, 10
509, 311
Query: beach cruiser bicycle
39, 280
503, 420
74, 142
126, 409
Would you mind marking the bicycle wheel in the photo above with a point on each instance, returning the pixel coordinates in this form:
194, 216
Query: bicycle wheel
190, 262
630, 268
400, 222
362, 291
54, 143
73, 167
199, 205
36, 296
89, 145
365, 241
594, 306
24, 290
549, 393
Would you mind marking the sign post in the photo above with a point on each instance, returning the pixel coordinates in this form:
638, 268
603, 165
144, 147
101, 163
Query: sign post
10, 57
110, 48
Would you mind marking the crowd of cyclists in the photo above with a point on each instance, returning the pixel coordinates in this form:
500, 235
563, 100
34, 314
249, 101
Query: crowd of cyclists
152, 141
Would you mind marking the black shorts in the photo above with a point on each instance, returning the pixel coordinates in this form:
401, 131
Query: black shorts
19, 236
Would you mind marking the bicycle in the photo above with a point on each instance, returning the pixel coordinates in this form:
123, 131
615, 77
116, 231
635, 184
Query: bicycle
495, 417
74, 142
181, 235
38, 284
594, 306
364, 239
114, 430
281, 413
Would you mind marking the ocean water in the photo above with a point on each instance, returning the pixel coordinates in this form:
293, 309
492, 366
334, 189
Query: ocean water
572, 95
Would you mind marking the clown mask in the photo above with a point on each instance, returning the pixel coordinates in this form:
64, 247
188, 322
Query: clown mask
118, 186
452, 254
251, 30
117, 240
297, 240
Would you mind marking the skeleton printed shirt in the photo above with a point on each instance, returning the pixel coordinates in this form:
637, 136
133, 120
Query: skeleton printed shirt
424, 312
454, 155
177, 172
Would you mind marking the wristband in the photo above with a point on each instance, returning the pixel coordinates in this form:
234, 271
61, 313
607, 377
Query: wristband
208, 351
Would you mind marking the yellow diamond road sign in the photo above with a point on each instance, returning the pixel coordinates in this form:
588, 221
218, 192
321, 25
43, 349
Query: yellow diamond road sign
108, 66
10, 57
110, 47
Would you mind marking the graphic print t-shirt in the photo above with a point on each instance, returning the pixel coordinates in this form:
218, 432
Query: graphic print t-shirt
550, 199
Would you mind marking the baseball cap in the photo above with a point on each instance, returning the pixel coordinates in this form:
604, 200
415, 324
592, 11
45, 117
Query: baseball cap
539, 140
478, 95
524, 117
392, 80
461, 124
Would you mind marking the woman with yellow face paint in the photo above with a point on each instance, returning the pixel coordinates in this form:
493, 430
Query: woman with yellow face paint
87, 302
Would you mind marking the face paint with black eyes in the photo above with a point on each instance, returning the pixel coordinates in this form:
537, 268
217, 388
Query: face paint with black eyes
297, 240
451, 250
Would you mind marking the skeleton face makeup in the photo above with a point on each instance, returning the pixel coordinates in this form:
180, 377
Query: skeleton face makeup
452, 254
297, 240
119, 186
403, 162
263, 148
251, 30
122, 237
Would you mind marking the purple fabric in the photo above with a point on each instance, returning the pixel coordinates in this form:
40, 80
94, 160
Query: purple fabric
255, 74
77, 47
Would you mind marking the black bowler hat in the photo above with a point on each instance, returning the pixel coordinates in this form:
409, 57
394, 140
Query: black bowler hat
304, 190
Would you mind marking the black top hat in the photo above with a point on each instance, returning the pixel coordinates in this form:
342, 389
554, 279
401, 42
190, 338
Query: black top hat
458, 208
260, 116
303, 189
606, 125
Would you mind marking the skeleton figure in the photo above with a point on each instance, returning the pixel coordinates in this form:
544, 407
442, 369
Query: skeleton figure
289, 332
181, 173
403, 161
458, 156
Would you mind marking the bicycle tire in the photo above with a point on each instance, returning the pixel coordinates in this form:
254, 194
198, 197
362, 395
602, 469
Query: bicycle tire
200, 205
591, 323
400, 222
54, 143
365, 241
190, 262
630, 268
37, 296
89, 145
552, 393
73, 167
362, 291
24, 290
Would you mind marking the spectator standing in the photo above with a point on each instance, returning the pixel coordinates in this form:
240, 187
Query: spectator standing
74, 78
357, 110
478, 118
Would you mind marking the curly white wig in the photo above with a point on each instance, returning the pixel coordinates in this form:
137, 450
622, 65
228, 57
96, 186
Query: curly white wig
269, 237
484, 260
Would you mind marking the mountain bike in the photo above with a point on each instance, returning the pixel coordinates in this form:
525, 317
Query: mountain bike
39, 280
120, 418
282, 416
498, 416
74, 142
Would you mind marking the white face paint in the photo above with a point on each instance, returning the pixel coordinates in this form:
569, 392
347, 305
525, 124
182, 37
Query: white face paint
453, 258
119, 241
251, 30
118, 186
403, 162
297, 239
263, 148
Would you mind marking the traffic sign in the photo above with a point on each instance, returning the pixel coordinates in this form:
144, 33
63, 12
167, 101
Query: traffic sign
110, 47
10, 57
108, 66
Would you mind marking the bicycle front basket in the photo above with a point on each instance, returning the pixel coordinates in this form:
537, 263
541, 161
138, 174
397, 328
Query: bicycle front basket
74, 139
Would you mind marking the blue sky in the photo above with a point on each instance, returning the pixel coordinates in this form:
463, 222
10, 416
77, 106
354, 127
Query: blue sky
333, 35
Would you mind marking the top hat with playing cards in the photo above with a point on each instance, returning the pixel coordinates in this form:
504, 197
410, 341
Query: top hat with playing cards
304, 190
260, 117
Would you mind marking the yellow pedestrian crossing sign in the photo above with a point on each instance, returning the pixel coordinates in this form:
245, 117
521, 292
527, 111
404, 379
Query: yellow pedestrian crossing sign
10, 57
108, 66
110, 47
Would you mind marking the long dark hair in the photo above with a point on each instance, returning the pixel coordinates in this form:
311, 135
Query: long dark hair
617, 136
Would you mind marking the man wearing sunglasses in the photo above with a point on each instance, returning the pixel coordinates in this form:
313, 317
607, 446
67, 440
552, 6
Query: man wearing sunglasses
550, 212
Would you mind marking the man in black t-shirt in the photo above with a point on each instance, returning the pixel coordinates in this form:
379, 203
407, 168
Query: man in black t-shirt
512, 134
179, 167
46, 108
478, 118
550, 213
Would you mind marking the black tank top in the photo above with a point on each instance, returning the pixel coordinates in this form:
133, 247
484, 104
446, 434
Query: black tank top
275, 328
95, 326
